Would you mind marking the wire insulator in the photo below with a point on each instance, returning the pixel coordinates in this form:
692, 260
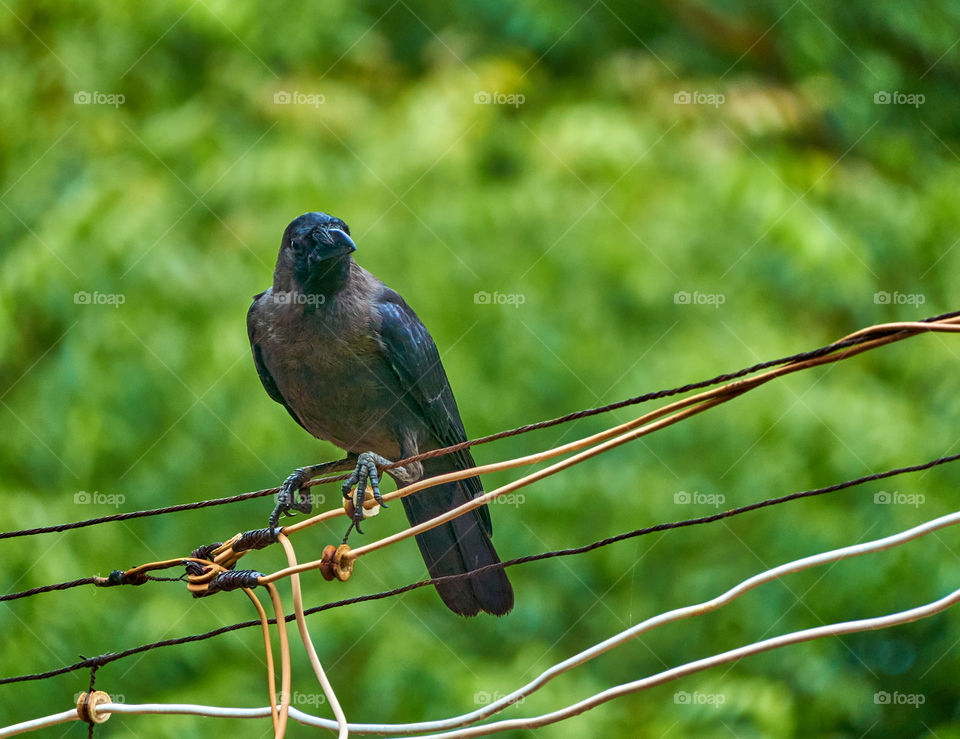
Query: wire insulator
326, 562
87, 706
336, 563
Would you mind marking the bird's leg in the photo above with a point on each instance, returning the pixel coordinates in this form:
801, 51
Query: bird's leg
364, 473
293, 498
367, 471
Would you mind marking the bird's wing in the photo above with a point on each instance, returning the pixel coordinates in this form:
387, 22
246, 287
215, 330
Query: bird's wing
266, 378
409, 348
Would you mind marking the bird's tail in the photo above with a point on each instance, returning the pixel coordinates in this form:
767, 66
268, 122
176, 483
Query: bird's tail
459, 546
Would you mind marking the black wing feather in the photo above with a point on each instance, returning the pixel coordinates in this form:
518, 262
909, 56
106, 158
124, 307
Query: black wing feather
413, 355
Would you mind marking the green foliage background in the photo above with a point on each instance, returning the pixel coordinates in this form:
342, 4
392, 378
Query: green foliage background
597, 199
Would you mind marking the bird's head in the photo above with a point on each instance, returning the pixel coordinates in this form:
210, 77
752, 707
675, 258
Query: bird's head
315, 251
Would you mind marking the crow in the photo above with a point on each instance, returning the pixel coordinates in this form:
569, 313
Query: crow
354, 365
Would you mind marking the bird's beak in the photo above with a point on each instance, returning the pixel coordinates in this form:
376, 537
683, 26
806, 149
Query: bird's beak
340, 242
331, 244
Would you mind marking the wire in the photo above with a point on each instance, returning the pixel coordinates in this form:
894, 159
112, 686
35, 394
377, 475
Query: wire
284, 708
837, 629
268, 651
481, 500
854, 340
39, 723
707, 399
624, 636
114, 656
725, 393
101, 582
308, 644
627, 432
136, 514
49, 588
836, 555
861, 336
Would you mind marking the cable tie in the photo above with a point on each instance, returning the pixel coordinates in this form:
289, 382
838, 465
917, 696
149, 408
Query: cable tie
256, 539
231, 580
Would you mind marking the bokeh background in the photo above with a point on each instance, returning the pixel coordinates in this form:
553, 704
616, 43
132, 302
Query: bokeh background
649, 193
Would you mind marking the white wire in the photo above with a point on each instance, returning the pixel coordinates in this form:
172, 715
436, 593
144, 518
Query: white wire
40, 723
660, 620
188, 709
192, 709
588, 654
847, 627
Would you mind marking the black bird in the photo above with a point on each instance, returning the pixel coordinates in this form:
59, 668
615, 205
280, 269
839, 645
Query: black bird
352, 363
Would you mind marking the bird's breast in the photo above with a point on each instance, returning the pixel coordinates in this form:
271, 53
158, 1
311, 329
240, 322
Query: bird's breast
332, 373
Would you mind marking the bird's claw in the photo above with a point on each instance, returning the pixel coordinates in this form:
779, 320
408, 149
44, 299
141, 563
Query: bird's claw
291, 498
365, 473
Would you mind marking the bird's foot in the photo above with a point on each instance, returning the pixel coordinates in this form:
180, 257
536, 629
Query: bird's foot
292, 497
365, 473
